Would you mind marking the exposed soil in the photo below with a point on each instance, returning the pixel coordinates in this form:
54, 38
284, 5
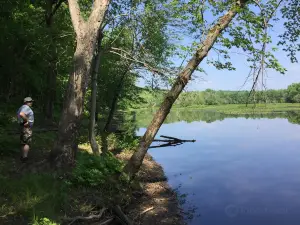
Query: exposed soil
157, 204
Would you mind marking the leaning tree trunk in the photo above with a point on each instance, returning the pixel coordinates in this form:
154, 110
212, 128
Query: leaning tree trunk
93, 115
136, 160
65, 146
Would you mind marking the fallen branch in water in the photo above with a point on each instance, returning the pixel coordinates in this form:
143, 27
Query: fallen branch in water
172, 141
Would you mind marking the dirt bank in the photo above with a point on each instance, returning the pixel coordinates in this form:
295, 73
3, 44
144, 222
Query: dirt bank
156, 203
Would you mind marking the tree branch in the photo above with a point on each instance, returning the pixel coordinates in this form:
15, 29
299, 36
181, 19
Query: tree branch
83, 218
76, 18
99, 9
57, 5
127, 55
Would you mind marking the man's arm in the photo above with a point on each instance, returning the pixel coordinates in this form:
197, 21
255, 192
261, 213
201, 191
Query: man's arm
24, 117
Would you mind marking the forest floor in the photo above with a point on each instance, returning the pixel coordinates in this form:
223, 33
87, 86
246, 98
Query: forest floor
31, 196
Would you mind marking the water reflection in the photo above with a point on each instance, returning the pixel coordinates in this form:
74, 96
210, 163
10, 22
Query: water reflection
240, 170
189, 116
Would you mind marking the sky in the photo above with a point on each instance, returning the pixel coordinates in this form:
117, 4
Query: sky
234, 80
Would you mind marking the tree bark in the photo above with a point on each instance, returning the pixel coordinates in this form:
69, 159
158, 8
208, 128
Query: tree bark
115, 100
65, 147
92, 138
184, 76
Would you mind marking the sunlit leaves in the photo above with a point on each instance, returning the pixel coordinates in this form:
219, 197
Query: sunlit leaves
290, 38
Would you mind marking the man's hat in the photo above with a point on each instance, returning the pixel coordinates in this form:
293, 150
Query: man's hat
28, 99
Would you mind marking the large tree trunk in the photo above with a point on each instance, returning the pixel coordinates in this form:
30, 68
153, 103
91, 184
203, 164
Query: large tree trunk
136, 160
92, 138
65, 147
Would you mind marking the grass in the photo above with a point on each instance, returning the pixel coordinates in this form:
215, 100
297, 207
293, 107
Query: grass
44, 198
32, 194
238, 108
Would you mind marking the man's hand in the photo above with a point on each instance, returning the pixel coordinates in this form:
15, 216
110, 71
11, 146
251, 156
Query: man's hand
25, 119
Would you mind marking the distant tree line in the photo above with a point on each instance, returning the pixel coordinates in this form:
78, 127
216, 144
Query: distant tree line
212, 97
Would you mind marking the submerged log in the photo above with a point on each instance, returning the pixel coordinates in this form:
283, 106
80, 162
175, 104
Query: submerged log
170, 141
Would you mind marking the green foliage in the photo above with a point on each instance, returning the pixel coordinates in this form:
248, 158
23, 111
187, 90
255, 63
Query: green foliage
92, 171
27, 45
211, 97
293, 93
42, 194
290, 37
211, 114
43, 221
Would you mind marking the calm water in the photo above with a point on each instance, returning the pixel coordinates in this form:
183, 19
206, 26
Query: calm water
240, 171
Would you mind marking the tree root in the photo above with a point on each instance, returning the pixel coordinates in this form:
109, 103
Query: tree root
116, 209
105, 222
145, 211
83, 218
121, 216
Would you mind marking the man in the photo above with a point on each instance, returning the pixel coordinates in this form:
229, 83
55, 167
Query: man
25, 119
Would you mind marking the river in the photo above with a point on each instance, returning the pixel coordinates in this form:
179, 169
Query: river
239, 171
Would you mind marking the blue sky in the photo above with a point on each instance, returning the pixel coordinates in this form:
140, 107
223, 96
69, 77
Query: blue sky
234, 80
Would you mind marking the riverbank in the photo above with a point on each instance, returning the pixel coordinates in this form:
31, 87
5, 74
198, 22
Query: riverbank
251, 108
236, 108
157, 203
215, 113
42, 197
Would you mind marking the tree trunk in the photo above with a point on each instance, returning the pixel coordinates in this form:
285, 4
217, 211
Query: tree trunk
184, 76
50, 94
92, 138
115, 101
51, 87
65, 147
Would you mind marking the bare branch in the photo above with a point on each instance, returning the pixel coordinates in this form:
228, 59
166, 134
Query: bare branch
127, 55
265, 26
83, 218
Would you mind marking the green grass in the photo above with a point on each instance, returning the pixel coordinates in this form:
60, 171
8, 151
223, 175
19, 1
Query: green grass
31, 196
43, 198
251, 108
237, 108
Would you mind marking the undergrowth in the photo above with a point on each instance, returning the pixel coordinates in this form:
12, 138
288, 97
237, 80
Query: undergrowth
42, 199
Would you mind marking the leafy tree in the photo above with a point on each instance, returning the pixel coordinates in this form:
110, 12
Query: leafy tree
239, 19
293, 93
65, 146
290, 37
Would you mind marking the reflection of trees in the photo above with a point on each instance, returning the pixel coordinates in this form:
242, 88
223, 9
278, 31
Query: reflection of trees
293, 117
143, 118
